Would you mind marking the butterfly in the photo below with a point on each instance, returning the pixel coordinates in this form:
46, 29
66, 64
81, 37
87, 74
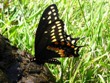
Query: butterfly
51, 40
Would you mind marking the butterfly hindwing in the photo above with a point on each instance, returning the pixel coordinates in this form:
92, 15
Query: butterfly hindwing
60, 42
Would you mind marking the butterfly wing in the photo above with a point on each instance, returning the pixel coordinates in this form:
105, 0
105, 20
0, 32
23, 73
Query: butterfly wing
49, 16
51, 40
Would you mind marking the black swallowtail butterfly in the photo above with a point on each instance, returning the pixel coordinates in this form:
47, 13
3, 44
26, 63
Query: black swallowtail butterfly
51, 40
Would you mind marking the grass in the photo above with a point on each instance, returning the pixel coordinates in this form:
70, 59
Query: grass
86, 18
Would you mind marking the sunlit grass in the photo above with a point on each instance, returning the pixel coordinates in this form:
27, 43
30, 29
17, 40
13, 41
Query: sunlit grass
90, 19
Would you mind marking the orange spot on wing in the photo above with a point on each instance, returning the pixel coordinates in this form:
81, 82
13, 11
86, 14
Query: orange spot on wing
56, 43
56, 49
48, 47
62, 43
68, 44
72, 46
61, 52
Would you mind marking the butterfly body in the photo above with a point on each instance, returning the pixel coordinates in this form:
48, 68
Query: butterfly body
51, 40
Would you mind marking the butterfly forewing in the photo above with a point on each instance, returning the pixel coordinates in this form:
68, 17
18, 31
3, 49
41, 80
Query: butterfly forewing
50, 15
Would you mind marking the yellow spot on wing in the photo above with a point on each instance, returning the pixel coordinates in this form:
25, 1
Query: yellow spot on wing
46, 32
43, 18
61, 37
55, 18
52, 31
50, 22
60, 33
54, 40
53, 10
57, 22
68, 38
53, 27
49, 17
53, 37
52, 7
52, 34
72, 41
54, 14
49, 12
59, 27
59, 30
